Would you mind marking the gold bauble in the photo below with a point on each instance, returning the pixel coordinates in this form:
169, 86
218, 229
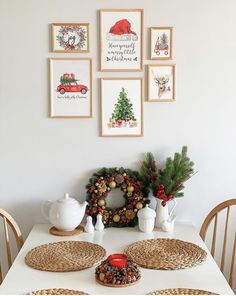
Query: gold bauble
101, 202
130, 188
139, 205
116, 218
112, 184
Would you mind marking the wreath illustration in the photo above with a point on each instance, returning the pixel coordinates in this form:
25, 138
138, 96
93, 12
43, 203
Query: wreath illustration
71, 37
102, 182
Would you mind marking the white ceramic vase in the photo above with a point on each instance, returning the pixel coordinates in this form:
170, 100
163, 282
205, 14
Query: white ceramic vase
153, 201
162, 213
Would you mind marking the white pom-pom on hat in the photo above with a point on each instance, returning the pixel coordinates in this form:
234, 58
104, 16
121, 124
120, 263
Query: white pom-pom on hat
134, 37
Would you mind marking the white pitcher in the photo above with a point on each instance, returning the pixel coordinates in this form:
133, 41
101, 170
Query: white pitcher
162, 213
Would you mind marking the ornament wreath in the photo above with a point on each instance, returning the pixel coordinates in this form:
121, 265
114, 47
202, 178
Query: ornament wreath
102, 182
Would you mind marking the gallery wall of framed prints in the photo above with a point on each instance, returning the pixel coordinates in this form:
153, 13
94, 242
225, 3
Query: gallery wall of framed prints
121, 49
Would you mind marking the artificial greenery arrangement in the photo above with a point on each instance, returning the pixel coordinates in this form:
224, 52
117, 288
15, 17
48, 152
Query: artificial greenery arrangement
167, 183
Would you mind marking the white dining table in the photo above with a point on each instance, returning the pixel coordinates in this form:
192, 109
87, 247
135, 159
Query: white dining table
22, 279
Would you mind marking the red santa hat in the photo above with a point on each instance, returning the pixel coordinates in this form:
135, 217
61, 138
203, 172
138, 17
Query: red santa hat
121, 31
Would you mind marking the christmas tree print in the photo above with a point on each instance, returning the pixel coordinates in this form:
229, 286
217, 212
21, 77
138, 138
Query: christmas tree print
164, 41
68, 79
123, 114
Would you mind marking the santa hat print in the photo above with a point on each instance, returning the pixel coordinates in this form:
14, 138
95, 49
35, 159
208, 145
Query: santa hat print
121, 31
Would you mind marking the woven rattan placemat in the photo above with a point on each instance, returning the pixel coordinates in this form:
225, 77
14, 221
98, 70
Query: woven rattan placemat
57, 292
181, 291
65, 256
165, 254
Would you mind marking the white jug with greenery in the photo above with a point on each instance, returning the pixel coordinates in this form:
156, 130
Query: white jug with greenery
166, 184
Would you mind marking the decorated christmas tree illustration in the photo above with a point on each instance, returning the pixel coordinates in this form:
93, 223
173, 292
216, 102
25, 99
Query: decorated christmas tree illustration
123, 114
164, 41
68, 79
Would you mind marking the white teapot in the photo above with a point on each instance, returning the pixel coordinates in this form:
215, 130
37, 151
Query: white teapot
65, 213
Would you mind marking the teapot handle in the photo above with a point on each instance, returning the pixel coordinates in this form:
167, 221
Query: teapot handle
45, 209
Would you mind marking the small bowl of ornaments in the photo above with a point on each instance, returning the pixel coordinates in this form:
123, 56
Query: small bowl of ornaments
118, 270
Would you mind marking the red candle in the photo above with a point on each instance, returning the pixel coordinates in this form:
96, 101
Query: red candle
118, 260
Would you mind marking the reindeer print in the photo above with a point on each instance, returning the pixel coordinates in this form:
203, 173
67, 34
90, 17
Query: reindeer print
161, 82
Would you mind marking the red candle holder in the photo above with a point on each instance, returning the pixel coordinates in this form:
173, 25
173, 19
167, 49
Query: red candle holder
118, 260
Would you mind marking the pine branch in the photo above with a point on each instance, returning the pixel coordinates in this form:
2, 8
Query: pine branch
148, 170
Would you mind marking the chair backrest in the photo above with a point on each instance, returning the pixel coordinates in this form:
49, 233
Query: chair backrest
213, 216
8, 220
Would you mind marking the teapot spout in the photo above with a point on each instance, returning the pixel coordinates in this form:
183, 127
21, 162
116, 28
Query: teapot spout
83, 205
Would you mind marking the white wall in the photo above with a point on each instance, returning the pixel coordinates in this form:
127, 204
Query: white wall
41, 158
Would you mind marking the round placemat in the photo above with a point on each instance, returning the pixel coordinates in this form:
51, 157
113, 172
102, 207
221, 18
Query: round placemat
57, 292
181, 291
65, 256
53, 230
165, 254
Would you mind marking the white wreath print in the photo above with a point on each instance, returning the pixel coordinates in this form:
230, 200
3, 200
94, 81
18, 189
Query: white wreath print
71, 37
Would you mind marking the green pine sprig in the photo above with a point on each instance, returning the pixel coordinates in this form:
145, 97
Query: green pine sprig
148, 170
176, 172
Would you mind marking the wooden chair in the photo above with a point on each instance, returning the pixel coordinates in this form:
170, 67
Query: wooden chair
213, 215
8, 220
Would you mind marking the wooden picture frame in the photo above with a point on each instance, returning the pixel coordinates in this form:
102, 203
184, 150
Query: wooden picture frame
161, 83
118, 93
71, 88
121, 40
161, 43
70, 37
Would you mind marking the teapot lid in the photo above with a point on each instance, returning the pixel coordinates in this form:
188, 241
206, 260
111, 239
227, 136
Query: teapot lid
146, 213
67, 199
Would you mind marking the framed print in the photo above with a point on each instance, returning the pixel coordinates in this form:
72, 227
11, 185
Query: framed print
161, 83
122, 107
161, 43
71, 87
70, 37
121, 38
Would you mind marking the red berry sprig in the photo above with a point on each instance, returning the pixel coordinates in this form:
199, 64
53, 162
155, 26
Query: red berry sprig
161, 194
